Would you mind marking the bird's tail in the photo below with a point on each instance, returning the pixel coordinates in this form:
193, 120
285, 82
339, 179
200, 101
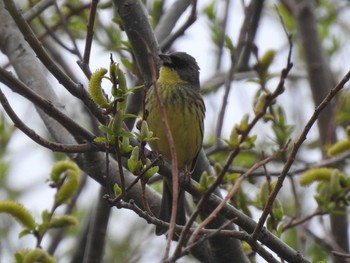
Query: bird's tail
166, 207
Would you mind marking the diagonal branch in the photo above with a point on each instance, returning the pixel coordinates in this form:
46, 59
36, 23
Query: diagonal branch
59, 147
74, 88
295, 149
47, 106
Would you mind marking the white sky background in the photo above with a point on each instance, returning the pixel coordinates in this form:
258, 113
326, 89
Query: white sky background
30, 164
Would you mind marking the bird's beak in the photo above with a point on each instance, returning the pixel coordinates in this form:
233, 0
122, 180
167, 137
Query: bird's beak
165, 59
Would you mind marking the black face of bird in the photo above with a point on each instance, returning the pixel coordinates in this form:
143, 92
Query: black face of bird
184, 64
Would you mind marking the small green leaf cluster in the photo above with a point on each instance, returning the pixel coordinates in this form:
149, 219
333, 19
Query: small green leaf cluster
274, 222
145, 135
65, 177
215, 24
134, 162
118, 90
282, 130
36, 255
263, 65
332, 187
115, 133
138, 165
205, 182
332, 184
235, 139
113, 106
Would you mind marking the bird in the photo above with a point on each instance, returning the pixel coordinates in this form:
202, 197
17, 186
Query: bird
178, 86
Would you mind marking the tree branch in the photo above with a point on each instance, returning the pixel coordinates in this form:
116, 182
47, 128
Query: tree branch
59, 147
295, 149
74, 88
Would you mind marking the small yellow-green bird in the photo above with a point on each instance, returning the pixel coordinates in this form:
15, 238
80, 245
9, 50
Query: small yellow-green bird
178, 87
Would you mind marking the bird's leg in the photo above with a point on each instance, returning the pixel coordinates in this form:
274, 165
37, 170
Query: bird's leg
187, 176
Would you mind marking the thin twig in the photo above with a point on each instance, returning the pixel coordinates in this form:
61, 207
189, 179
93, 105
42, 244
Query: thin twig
47, 106
120, 166
179, 252
68, 31
340, 254
36, 9
75, 89
306, 166
325, 242
295, 196
233, 191
295, 149
57, 236
52, 33
84, 64
269, 100
144, 196
223, 26
174, 168
294, 223
169, 19
221, 116
59, 147
167, 42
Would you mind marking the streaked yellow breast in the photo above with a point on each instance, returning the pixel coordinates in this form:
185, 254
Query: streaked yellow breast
185, 112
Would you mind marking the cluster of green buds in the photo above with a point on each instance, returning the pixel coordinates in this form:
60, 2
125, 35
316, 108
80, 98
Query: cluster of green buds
236, 136
115, 107
65, 176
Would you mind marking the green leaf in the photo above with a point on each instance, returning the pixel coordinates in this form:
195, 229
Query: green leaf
229, 45
100, 139
249, 143
125, 146
203, 181
151, 171
24, 232
127, 64
277, 210
134, 163
38, 255
243, 125
117, 190
209, 10
267, 60
45, 215
231, 178
106, 129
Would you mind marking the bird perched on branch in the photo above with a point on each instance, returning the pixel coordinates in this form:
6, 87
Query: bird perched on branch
178, 87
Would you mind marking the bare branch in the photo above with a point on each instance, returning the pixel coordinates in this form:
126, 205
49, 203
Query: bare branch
169, 19
74, 88
84, 64
46, 105
168, 41
68, 148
